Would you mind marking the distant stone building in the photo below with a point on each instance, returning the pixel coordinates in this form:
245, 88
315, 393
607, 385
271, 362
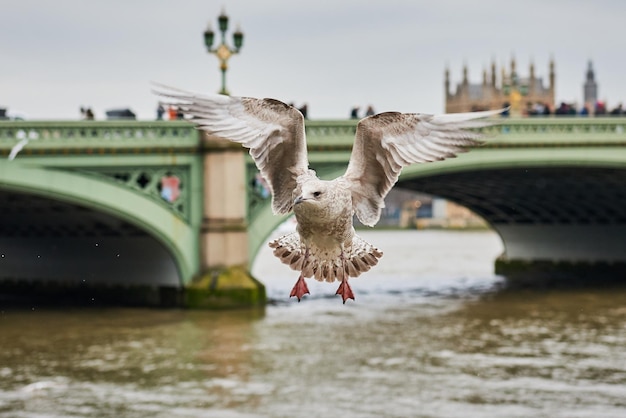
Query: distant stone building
410, 209
590, 88
521, 93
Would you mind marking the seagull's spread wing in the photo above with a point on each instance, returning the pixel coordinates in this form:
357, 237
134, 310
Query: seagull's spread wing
389, 141
272, 130
17, 148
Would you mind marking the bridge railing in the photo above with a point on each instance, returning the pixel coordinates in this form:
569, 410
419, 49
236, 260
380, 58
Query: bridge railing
558, 130
547, 130
45, 136
125, 136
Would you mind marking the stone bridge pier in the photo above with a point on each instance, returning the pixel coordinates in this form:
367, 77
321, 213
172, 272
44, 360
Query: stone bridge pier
225, 280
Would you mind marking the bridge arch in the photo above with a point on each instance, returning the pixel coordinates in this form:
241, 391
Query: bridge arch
557, 221
550, 206
171, 232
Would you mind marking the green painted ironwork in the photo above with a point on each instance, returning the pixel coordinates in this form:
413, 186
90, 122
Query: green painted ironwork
178, 236
98, 137
147, 180
117, 168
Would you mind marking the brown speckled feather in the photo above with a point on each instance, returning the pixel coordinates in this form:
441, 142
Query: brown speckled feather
388, 141
271, 129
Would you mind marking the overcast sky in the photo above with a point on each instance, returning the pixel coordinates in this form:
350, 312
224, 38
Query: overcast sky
58, 55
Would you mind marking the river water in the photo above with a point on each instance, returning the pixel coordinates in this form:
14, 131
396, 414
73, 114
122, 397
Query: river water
432, 333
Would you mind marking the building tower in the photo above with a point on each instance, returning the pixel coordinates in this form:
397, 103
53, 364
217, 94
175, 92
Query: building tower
552, 86
512, 89
590, 89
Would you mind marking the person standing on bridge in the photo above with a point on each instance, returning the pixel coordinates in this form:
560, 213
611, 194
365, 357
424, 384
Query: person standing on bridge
172, 114
160, 111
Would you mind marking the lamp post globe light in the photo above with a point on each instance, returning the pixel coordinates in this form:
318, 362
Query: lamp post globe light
223, 51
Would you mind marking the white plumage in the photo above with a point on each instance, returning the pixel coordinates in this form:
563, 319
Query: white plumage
325, 245
23, 141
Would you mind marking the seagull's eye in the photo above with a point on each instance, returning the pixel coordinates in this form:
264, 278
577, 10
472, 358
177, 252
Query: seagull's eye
317, 194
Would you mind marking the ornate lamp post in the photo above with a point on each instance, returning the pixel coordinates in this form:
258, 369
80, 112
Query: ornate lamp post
223, 51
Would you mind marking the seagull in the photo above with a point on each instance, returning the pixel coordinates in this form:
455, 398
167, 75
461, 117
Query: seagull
23, 140
325, 245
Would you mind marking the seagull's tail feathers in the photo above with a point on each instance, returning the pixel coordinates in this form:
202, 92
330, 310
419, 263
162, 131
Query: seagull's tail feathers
326, 265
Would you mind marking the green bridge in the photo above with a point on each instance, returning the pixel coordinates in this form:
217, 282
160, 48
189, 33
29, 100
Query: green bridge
160, 204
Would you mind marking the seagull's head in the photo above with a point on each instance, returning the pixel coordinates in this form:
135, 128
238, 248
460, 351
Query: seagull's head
313, 192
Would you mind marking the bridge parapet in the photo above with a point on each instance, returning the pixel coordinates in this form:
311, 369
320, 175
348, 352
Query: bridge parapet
337, 135
560, 130
68, 136
98, 136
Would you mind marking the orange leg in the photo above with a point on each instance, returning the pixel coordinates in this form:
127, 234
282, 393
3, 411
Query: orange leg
300, 289
345, 291
344, 288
